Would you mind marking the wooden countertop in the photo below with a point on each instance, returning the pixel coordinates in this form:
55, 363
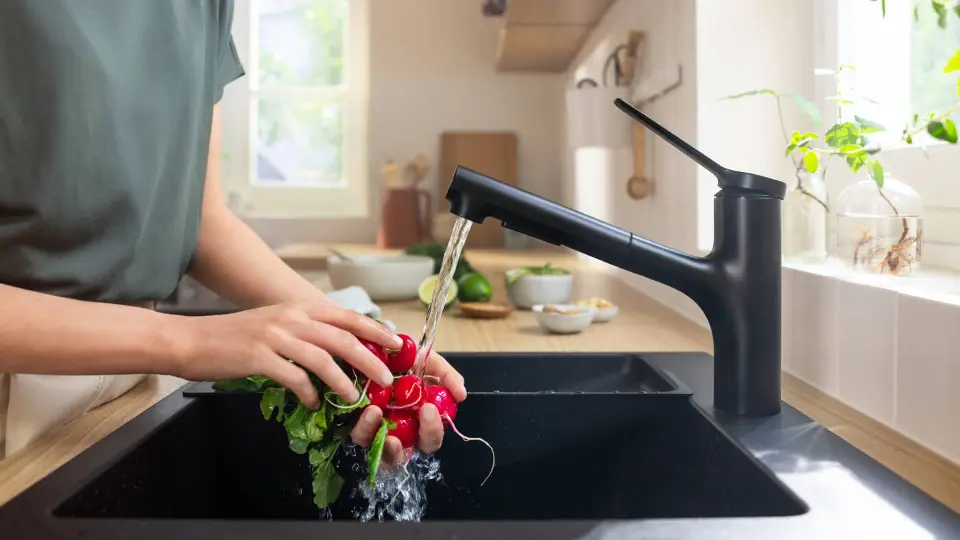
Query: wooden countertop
641, 325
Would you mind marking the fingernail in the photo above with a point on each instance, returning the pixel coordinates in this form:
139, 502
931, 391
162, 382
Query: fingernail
429, 412
353, 395
386, 378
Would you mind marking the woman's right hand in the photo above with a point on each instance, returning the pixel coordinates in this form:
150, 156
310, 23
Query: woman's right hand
261, 341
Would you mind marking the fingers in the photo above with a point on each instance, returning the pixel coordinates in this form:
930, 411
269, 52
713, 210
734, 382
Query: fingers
357, 324
320, 362
367, 426
431, 429
449, 377
392, 453
343, 344
292, 377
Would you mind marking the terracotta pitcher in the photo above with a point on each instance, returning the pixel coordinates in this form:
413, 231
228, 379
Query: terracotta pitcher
404, 218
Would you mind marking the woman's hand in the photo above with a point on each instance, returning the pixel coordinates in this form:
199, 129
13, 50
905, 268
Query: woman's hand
261, 341
431, 427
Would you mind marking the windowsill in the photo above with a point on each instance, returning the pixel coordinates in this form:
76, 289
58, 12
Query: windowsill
931, 283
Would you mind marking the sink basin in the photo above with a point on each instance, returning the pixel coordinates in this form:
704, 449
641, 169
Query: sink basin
627, 443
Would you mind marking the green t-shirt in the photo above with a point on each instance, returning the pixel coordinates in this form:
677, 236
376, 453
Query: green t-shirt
105, 115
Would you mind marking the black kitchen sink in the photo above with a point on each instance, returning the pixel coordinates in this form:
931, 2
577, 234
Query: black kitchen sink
631, 446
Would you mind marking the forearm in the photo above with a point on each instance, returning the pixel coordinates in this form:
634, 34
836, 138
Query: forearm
234, 262
46, 334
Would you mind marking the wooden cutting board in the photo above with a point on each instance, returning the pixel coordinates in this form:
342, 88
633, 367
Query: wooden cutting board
492, 153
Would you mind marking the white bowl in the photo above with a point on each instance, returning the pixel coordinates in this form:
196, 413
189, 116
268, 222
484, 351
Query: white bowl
560, 323
528, 291
604, 315
384, 277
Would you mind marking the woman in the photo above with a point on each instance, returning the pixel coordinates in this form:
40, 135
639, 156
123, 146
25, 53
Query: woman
109, 193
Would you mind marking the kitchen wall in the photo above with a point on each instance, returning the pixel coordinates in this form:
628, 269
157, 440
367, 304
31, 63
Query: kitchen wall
431, 70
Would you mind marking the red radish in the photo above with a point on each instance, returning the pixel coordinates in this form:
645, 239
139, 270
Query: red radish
377, 350
407, 427
379, 395
447, 407
402, 360
408, 392
441, 399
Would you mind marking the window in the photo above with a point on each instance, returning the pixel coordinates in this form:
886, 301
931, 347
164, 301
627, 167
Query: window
295, 126
899, 63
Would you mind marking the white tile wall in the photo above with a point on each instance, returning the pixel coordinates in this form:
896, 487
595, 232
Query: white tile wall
928, 373
889, 352
814, 340
867, 345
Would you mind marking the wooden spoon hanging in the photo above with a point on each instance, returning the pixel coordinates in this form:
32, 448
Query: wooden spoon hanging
639, 186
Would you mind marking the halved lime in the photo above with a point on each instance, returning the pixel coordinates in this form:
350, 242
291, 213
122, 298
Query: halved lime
425, 291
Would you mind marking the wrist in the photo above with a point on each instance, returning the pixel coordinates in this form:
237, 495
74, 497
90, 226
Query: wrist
172, 344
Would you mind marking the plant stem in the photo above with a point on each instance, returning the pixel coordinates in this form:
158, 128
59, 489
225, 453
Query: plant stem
793, 159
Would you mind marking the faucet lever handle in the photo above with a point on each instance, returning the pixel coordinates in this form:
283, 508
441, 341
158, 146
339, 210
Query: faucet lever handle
671, 138
725, 177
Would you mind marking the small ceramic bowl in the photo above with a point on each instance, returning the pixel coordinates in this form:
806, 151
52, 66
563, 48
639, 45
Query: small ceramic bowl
384, 277
529, 291
573, 321
605, 315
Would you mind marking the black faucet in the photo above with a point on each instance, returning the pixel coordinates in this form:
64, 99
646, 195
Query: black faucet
737, 285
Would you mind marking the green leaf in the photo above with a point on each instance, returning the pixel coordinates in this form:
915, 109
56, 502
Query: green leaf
875, 169
327, 485
751, 93
375, 453
299, 446
273, 398
941, 13
944, 131
953, 64
868, 126
324, 454
296, 423
316, 425
847, 67
842, 134
883, 7
808, 108
811, 162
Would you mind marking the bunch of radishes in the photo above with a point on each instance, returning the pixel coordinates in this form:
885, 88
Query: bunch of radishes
401, 402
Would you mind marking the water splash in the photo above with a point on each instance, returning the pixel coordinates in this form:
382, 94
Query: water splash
458, 237
399, 495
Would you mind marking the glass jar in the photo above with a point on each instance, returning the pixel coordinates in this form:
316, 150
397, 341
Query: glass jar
805, 211
880, 230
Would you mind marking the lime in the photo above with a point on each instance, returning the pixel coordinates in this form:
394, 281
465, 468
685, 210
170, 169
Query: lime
425, 291
474, 287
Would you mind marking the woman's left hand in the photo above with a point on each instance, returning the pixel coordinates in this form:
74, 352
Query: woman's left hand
431, 428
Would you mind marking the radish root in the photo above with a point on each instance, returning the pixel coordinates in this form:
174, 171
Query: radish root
353, 405
405, 478
493, 454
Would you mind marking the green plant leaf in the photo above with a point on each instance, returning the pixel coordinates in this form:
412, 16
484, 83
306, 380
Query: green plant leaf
941, 13
811, 162
842, 134
750, 93
375, 453
875, 169
944, 131
327, 484
867, 126
953, 64
273, 399
299, 446
808, 108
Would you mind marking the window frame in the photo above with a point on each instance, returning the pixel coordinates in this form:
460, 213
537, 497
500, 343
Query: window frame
257, 200
928, 170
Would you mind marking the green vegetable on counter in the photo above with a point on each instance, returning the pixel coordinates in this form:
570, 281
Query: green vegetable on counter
436, 251
546, 270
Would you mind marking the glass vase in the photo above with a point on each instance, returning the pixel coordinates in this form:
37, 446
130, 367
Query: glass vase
880, 230
805, 214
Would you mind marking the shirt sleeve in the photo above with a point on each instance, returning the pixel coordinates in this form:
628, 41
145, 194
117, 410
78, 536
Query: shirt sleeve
229, 68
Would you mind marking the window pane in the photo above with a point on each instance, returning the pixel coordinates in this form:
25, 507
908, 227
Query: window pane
932, 90
300, 142
302, 42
